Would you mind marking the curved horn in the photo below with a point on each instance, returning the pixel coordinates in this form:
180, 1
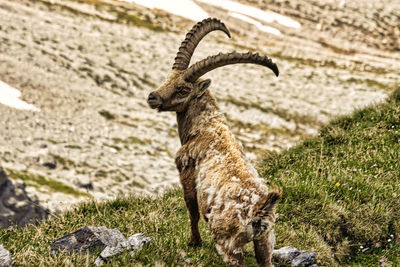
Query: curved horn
193, 38
208, 64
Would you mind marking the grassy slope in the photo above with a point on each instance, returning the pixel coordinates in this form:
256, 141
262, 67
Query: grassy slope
341, 194
342, 189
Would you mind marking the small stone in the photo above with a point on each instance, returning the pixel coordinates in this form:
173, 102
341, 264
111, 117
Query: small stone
137, 241
134, 243
84, 182
99, 261
47, 160
287, 253
27, 142
87, 238
43, 146
109, 252
304, 259
5, 257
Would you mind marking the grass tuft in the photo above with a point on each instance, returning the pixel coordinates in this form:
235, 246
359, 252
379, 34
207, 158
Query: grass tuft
123, 17
38, 181
107, 115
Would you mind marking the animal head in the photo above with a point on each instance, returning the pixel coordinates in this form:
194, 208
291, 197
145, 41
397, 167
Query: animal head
184, 83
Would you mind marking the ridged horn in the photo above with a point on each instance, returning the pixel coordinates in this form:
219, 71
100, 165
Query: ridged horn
193, 37
210, 63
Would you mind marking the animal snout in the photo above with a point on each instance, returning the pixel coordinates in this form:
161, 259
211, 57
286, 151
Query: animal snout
154, 100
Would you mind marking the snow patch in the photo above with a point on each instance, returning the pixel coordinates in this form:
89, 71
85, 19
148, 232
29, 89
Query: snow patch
256, 13
190, 10
184, 8
9, 96
256, 23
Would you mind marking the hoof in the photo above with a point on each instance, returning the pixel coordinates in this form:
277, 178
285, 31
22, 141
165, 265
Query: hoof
194, 242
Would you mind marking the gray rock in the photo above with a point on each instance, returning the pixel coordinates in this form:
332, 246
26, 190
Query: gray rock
16, 208
134, 243
287, 253
88, 238
50, 163
46, 159
304, 259
5, 257
109, 252
296, 257
137, 241
3, 177
84, 182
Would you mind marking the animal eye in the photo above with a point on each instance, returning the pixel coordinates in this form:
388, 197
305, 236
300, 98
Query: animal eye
182, 91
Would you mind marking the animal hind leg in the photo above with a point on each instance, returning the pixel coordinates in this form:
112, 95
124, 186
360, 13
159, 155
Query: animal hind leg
263, 248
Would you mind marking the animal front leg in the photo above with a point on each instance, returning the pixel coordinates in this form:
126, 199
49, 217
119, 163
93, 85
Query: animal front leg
193, 208
263, 248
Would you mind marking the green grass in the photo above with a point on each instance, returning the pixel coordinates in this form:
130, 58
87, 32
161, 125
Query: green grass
335, 48
376, 257
298, 118
107, 114
73, 146
386, 87
122, 17
341, 189
39, 181
341, 195
132, 140
66, 163
165, 220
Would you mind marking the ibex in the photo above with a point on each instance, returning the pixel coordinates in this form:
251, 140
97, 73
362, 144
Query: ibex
216, 177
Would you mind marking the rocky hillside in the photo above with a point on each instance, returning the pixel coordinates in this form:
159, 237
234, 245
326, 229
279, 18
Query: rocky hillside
89, 66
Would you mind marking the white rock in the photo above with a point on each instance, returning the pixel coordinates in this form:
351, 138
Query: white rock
133, 243
287, 253
304, 259
5, 257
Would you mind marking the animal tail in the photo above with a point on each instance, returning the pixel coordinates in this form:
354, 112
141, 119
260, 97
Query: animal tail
264, 218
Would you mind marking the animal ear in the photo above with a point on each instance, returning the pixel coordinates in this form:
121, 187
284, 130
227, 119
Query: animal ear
203, 85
